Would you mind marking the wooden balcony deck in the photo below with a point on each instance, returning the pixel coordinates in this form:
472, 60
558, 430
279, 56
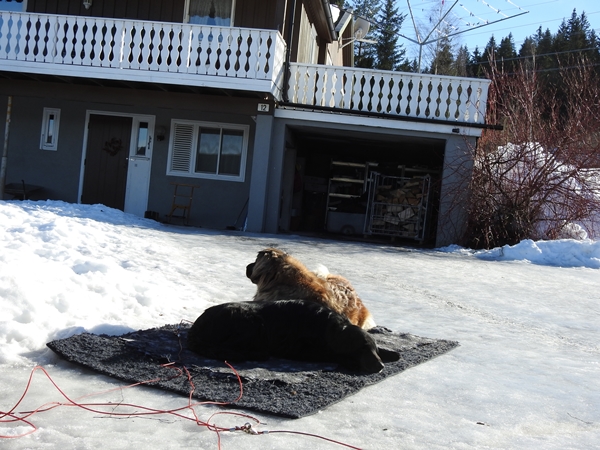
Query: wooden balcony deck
222, 57
226, 58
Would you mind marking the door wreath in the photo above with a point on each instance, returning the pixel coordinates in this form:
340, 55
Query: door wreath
113, 146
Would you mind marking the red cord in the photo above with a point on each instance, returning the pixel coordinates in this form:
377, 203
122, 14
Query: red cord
12, 417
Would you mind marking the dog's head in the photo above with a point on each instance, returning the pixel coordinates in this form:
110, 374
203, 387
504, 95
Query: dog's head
266, 264
358, 350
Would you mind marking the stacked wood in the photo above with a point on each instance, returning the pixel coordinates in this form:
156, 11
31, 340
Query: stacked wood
399, 203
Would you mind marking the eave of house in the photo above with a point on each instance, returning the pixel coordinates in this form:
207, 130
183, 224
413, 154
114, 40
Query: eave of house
319, 13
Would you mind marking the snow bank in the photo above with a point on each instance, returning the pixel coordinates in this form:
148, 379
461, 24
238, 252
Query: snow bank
560, 253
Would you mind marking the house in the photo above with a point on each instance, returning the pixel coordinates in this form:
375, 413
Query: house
254, 103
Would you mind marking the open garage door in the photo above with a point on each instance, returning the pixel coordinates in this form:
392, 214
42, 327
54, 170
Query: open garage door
339, 171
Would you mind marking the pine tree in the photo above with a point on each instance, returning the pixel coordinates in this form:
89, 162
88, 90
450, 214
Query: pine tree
544, 44
461, 62
576, 39
408, 66
443, 60
527, 52
528, 48
475, 64
488, 56
506, 54
389, 53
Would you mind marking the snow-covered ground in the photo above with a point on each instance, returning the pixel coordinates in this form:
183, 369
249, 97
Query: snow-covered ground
526, 374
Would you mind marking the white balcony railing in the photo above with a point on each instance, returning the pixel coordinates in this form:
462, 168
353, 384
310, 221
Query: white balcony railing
390, 93
192, 52
224, 57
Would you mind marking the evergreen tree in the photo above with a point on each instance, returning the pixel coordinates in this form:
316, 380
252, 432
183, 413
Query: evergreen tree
443, 60
408, 66
389, 53
488, 56
544, 42
475, 64
527, 52
575, 39
506, 54
528, 48
461, 62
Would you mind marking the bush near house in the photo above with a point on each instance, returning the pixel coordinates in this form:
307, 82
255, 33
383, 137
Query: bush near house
537, 178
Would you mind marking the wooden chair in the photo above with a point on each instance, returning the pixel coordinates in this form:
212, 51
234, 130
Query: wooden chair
182, 200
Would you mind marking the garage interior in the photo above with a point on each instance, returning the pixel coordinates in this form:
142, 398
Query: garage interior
353, 185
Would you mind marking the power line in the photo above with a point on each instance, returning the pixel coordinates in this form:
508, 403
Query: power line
539, 55
554, 69
536, 23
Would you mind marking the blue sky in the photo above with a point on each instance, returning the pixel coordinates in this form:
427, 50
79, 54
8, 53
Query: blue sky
467, 14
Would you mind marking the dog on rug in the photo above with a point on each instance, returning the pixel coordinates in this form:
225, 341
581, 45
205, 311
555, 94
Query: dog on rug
279, 276
291, 329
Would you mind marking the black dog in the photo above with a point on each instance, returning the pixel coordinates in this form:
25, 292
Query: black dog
291, 329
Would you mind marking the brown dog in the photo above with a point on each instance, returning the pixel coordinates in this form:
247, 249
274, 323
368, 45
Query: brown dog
278, 276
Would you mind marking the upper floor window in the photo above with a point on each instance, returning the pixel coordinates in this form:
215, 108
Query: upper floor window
208, 150
50, 124
211, 12
13, 5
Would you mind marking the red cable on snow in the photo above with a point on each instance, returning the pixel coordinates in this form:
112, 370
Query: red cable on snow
11, 416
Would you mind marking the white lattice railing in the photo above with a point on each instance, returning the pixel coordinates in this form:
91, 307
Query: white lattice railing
93, 42
386, 92
239, 58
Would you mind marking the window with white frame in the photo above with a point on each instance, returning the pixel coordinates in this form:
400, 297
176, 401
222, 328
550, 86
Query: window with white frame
210, 12
50, 126
208, 150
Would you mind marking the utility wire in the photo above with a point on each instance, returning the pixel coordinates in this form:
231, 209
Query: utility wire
539, 55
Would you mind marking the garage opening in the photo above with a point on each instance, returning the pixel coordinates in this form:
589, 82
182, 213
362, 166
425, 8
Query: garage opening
356, 185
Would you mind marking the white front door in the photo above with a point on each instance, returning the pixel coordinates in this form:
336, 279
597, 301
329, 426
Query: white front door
140, 162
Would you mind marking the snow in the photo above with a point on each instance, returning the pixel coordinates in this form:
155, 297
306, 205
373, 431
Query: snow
526, 374
562, 253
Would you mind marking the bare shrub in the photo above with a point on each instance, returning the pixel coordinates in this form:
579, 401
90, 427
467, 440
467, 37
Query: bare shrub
535, 179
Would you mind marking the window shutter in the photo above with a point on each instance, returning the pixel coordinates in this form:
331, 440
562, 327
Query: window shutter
183, 142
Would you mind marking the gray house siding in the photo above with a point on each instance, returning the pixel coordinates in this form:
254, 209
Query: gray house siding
58, 170
216, 203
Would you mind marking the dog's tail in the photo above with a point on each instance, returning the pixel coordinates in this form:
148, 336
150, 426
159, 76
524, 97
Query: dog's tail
321, 271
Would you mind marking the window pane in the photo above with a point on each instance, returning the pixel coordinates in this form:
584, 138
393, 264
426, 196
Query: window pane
208, 150
49, 132
50, 129
142, 140
210, 12
231, 152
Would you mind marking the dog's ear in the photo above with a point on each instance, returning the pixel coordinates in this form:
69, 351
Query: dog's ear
388, 355
271, 252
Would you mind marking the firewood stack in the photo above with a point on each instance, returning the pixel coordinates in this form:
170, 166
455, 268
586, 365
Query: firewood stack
397, 204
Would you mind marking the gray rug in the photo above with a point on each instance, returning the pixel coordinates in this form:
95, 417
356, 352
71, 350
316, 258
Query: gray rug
281, 387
